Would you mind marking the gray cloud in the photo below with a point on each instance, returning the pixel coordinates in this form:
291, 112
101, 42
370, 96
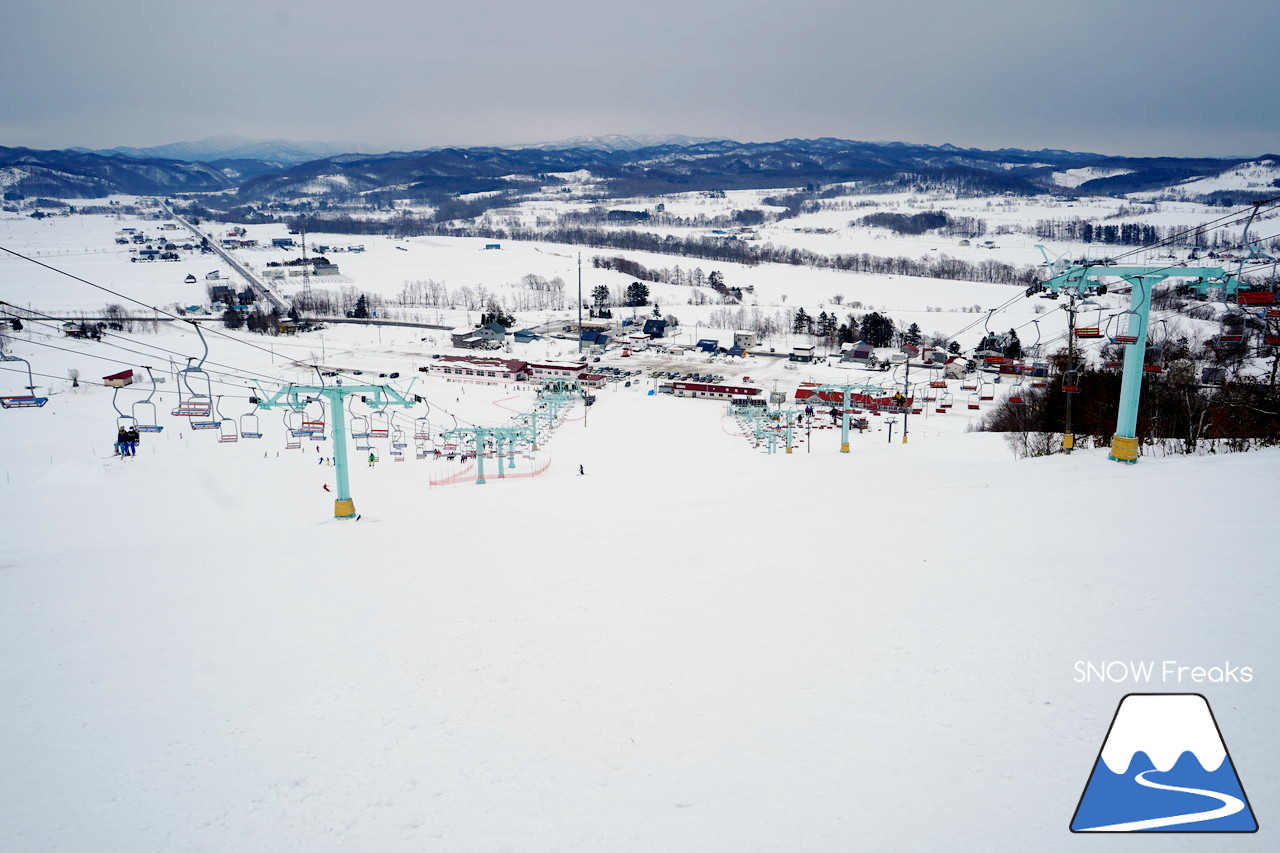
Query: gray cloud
1132, 77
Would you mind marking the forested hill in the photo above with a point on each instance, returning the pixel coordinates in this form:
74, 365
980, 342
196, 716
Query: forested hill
435, 175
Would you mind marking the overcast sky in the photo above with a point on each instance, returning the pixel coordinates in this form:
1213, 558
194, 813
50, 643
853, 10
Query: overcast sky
1185, 77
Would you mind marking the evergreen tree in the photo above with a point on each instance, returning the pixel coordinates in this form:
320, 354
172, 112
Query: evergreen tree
803, 324
877, 329
600, 296
362, 307
637, 294
232, 319
913, 335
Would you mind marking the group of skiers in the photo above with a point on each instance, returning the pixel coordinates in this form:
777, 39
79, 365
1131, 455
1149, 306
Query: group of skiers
126, 442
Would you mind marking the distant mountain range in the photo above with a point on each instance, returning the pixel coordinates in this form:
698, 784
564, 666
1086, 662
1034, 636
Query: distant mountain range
620, 142
618, 165
217, 148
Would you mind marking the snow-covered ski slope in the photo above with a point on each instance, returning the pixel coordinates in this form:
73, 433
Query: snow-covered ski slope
694, 647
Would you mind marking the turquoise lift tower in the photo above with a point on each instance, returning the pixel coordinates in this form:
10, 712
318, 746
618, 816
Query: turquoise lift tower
296, 397
1089, 279
482, 436
846, 393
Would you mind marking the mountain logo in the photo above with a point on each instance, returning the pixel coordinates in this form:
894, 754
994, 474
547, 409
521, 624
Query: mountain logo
1163, 768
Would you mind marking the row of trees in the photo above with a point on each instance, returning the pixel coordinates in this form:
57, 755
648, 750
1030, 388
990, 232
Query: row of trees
1175, 411
1206, 238
874, 328
707, 248
694, 277
254, 321
531, 293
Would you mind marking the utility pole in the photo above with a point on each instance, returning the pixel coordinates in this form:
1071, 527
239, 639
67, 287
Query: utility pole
906, 399
579, 303
1068, 438
306, 268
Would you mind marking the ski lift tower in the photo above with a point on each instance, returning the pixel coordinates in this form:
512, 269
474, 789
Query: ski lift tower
296, 397
845, 394
483, 437
1089, 279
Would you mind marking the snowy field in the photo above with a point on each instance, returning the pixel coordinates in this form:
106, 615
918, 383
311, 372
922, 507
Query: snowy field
694, 647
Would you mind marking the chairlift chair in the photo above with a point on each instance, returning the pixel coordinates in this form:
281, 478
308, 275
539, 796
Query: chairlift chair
23, 401
1071, 381
313, 422
1015, 392
249, 426
987, 391
1230, 337
293, 423
227, 431
292, 439
145, 415
123, 421
974, 401
1255, 297
1095, 330
198, 404
1118, 329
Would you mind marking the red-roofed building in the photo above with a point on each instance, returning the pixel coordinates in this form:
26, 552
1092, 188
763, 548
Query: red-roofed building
569, 370
119, 380
713, 391
479, 368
